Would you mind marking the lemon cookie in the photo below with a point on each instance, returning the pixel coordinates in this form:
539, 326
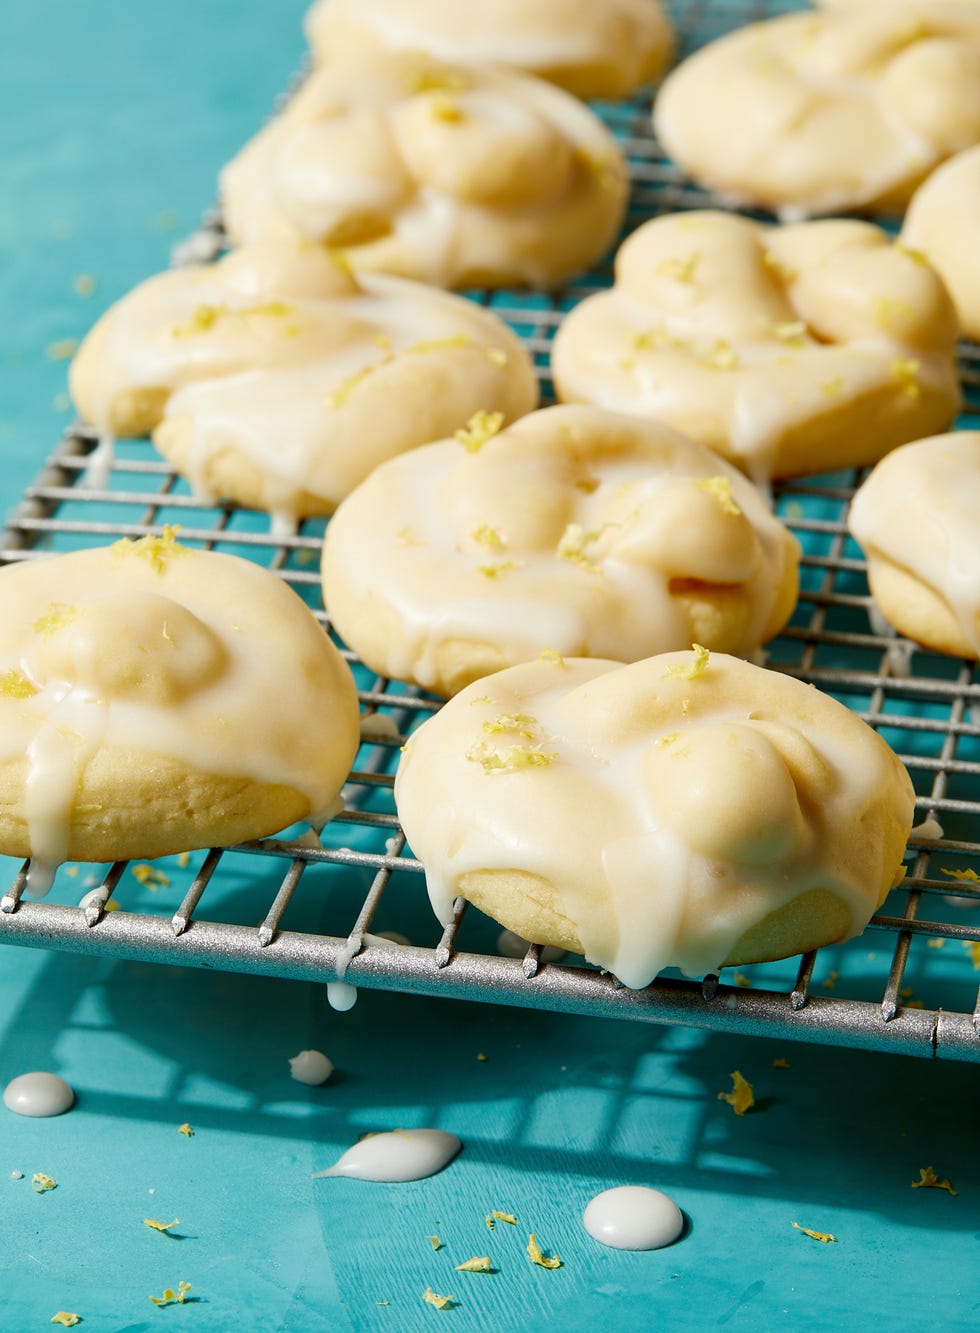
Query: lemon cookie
916, 519
688, 811
574, 531
449, 174
279, 379
942, 224
156, 699
594, 48
789, 350
829, 112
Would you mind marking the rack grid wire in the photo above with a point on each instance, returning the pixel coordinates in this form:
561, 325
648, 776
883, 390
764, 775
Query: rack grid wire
854, 995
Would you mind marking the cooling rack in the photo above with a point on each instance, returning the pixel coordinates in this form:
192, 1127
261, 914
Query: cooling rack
290, 907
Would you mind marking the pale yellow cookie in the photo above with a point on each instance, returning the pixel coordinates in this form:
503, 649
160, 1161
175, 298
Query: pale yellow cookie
817, 113
155, 699
943, 223
686, 811
594, 48
446, 173
789, 350
575, 531
916, 518
278, 379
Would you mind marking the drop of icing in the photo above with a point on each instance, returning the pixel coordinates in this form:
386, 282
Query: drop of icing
511, 945
16, 1175
311, 1067
393, 937
38, 1094
633, 1217
341, 995
397, 1156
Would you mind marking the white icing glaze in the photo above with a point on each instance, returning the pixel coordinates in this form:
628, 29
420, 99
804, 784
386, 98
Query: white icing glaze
398, 1156
151, 648
602, 48
633, 1217
310, 1067
759, 341
941, 223
918, 509
452, 174
38, 1094
672, 814
568, 532
827, 113
283, 358
341, 995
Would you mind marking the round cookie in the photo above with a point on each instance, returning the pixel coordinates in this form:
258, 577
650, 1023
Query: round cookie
593, 48
575, 531
830, 112
449, 174
941, 223
689, 810
916, 520
789, 350
278, 379
156, 699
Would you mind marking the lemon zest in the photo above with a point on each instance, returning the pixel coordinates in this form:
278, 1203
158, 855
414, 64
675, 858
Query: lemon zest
496, 356
965, 876
482, 426
906, 371
513, 760
165, 1227
550, 655
445, 108
680, 269
155, 549
432, 80
781, 1063
536, 1257
337, 397
408, 537
824, 1237
435, 1242
973, 949
431, 1298
497, 568
83, 285
741, 1098
685, 671
509, 1218
832, 388
186, 1130
741, 979
66, 1318
56, 617
792, 332
916, 256
438, 344
41, 1183
929, 1180
719, 356
479, 1264
62, 349
523, 723
889, 311
15, 685
720, 488
486, 535
150, 877
171, 1297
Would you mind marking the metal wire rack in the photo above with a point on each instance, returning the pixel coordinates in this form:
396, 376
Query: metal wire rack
855, 995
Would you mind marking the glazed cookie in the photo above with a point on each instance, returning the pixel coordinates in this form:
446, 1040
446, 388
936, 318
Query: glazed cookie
594, 48
278, 379
449, 174
824, 113
685, 811
941, 223
575, 531
916, 519
156, 699
789, 350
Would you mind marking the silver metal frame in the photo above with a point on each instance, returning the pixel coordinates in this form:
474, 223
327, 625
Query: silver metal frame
831, 643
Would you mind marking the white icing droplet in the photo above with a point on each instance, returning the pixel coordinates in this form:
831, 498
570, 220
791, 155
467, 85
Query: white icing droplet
16, 1175
38, 1094
341, 995
511, 945
398, 1156
311, 1067
633, 1217
928, 830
